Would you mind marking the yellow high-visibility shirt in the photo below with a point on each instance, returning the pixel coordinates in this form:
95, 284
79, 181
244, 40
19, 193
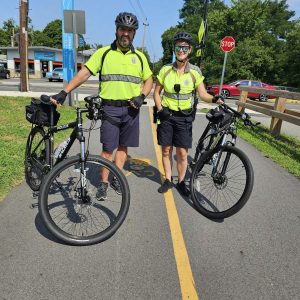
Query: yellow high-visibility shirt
188, 81
122, 74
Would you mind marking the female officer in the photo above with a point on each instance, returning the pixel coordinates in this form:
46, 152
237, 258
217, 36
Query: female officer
175, 107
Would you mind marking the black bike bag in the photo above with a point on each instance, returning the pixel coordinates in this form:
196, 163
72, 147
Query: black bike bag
39, 113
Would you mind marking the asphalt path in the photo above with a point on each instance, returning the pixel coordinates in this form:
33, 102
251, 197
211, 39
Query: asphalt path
251, 255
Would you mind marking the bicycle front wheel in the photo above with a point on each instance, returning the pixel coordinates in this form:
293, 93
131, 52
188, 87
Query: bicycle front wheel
69, 202
37, 157
221, 182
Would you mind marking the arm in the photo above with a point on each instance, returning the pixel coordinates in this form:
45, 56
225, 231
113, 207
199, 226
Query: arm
204, 95
156, 96
148, 83
81, 77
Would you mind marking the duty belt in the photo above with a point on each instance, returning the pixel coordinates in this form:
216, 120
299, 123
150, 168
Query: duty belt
181, 113
118, 103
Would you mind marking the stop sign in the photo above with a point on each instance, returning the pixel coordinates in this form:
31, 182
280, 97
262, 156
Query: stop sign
227, 43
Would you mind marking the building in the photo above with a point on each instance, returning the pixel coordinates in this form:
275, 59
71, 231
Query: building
40, 60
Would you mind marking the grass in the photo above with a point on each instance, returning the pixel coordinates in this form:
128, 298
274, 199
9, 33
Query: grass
283, 150
14, 131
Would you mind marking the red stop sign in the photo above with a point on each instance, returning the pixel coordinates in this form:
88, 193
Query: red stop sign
227, 43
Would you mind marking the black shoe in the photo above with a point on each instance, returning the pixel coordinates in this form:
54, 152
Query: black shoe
167, 184
182, 189
115, 184
102, 191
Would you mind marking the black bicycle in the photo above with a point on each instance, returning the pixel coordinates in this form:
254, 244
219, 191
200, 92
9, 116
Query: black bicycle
68, 203
222, 175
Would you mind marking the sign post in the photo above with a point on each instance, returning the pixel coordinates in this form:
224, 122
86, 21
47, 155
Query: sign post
74, 22
227, 44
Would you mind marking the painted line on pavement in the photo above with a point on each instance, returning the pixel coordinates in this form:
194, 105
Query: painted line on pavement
186, 279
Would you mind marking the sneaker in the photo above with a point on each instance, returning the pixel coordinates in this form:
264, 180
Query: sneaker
182, 189
115, 184
102, 191
167, 184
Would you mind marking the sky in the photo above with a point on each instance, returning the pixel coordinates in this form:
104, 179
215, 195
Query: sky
100, 16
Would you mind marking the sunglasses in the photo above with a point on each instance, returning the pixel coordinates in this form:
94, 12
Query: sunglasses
182, 48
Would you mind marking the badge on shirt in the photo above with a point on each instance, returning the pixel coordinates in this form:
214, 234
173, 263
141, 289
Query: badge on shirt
186, 82
133, 60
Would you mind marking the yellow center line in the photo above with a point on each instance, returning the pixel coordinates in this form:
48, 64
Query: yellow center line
186, 279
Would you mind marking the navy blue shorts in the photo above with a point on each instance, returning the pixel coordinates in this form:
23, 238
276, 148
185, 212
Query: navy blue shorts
125, 133
177, 131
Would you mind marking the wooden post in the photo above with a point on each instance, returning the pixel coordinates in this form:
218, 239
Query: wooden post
275, 122
23, 45
243, 98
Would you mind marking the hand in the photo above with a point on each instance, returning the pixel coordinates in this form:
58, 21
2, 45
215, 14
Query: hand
163, 114
59, 98
137, 102
218, 99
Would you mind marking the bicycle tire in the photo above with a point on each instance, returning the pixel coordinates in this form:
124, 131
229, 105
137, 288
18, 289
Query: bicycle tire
37, 156
65, 213
222, 196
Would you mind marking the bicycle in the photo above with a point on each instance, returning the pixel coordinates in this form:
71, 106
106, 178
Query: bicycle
67, 187
222, 175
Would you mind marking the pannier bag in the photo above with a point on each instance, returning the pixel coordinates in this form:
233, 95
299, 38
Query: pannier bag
219, 116
39, 113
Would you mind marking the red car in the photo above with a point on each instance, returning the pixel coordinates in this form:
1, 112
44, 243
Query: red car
231, 89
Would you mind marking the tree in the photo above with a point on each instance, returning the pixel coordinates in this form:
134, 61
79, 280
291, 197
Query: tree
262, 30
291, 62
54, 33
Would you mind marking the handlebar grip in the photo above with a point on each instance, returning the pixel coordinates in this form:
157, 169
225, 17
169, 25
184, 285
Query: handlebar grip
45, 99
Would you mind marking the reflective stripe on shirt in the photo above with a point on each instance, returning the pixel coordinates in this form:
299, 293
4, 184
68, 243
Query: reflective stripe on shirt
119, 77
178, 96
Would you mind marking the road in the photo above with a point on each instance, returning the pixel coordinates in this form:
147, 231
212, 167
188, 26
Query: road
252, 255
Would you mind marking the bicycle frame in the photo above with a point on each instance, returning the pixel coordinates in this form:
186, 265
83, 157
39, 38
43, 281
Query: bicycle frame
77, 133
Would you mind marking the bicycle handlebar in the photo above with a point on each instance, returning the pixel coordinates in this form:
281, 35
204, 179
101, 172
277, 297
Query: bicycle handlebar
243, 116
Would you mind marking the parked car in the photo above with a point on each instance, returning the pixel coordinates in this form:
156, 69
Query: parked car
4, 73
56, 74
231, 89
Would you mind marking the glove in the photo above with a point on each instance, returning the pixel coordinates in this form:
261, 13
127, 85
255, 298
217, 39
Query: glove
216, 98
163, 114
137, 102
60, 97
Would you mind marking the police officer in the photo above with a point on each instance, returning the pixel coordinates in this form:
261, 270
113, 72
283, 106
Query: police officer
125, 81
175, 109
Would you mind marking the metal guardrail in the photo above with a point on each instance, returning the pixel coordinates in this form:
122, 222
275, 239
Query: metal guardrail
278, 111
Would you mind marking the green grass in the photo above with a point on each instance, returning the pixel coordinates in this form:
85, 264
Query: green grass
283, 150
14, 131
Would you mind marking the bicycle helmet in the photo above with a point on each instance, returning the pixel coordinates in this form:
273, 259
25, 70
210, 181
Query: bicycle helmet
183, 36
127, 20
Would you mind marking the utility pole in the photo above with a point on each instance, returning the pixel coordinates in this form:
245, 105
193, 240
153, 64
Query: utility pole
143, 41
23, 46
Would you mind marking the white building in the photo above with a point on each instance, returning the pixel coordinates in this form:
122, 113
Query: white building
40, 60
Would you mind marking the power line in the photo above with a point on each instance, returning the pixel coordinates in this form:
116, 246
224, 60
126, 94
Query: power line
141, 9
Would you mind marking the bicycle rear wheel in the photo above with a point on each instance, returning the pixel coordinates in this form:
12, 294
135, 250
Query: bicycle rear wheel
37, 156
68, 202
221, 182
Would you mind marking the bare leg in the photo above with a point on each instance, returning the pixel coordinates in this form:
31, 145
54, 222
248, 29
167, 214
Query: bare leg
105, 172
120, 158
167, 161
181, 154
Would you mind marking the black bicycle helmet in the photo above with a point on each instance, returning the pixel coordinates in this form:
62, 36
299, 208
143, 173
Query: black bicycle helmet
183, 36
127, 20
